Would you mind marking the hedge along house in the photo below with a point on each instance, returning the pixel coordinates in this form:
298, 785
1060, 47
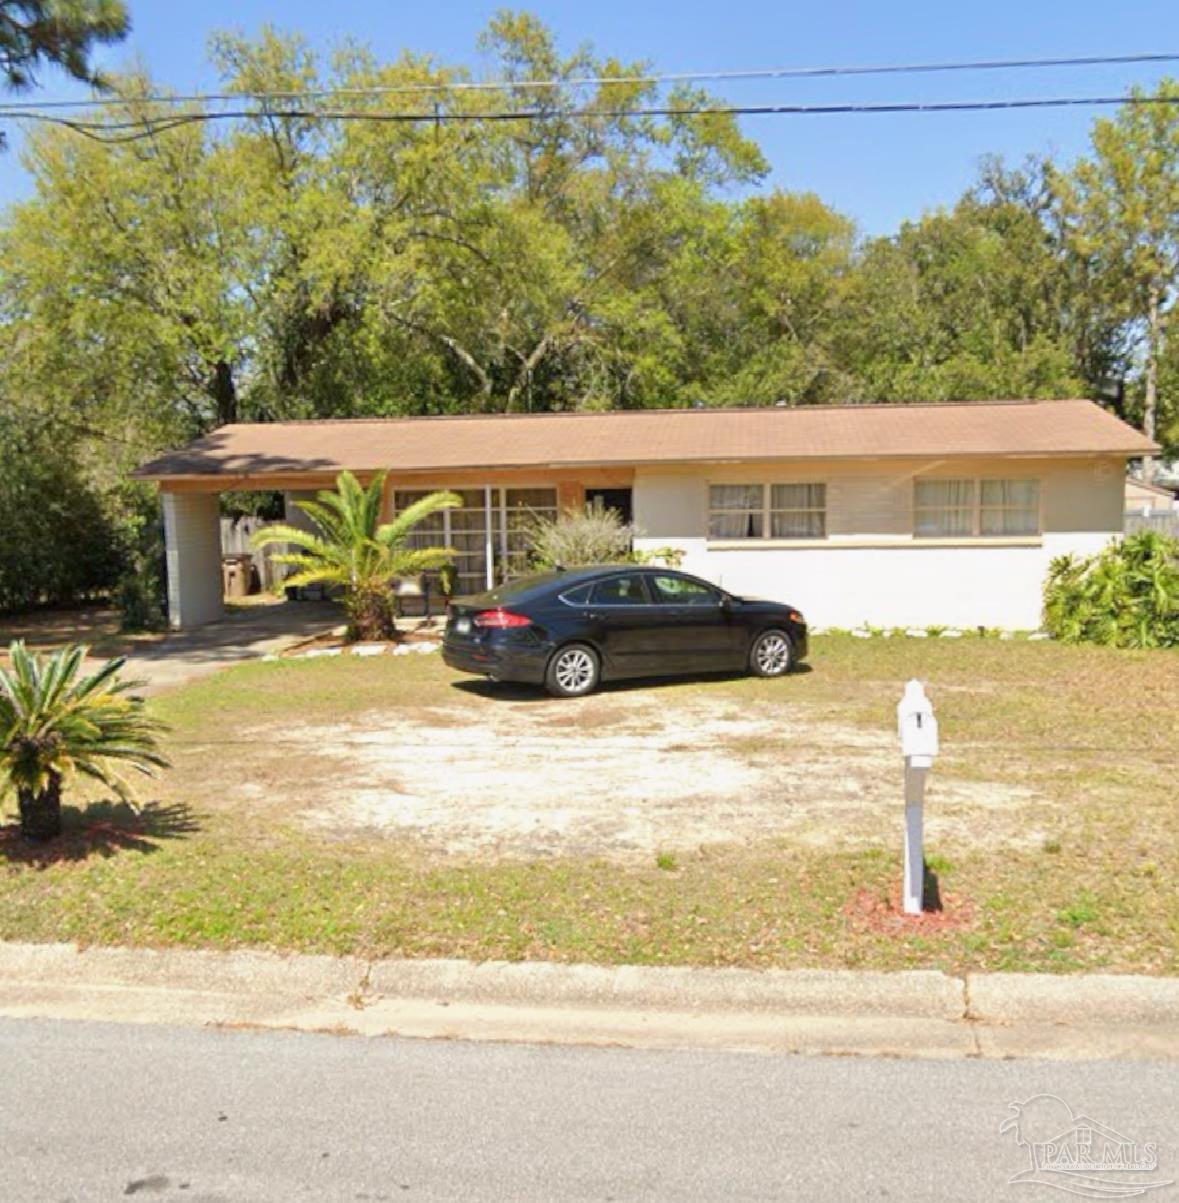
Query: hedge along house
894, 515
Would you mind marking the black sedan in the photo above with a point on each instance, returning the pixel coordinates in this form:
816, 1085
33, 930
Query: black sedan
569, 630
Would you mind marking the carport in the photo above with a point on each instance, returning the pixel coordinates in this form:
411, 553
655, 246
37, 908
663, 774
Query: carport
419, 455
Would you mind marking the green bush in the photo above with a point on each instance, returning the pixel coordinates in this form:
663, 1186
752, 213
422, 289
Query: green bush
1125, 596
57, 539
578, 538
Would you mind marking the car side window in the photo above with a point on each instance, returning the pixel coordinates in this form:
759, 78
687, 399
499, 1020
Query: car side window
577, 597
683, 591
620, 591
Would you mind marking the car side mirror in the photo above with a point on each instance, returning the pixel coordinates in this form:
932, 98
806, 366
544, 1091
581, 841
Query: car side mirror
726, 602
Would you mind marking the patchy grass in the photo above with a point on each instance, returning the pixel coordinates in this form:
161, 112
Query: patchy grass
1092, 732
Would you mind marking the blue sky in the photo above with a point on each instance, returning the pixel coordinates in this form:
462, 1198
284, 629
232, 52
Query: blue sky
879, 170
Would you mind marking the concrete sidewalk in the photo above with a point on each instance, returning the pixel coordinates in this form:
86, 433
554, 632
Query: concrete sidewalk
920, 1013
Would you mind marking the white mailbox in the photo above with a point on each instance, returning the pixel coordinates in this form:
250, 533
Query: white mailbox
917, 727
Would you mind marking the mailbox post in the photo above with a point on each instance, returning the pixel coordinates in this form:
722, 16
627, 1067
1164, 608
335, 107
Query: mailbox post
917, 729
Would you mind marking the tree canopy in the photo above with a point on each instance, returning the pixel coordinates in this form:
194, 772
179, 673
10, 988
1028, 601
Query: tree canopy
577, 257
36, 33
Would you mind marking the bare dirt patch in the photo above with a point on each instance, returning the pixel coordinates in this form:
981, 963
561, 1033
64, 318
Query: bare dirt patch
623, 775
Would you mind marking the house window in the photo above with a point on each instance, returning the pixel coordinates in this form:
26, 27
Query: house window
1010, 507
965, 508
789, 511
736, 511
518, 510
798, 511
472, 527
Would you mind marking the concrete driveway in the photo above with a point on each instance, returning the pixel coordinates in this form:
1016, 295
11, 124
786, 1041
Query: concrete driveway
246, 633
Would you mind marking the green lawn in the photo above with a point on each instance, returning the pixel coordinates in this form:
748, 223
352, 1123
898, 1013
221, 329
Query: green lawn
1090, 734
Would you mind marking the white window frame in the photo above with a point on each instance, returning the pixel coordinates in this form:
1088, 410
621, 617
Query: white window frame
766, 511
977, 507
495, 517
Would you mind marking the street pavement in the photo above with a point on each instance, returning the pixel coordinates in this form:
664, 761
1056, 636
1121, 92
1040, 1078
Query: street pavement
102, 1112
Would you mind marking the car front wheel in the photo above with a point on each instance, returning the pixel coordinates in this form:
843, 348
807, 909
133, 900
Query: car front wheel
771, 654
573, 671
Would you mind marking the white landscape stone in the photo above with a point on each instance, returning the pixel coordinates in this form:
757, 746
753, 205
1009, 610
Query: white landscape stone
368, 649
862, 634
917, 633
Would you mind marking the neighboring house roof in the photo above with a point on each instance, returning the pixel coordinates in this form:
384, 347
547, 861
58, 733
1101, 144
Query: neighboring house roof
1139, 495
1036, 428
1140, 488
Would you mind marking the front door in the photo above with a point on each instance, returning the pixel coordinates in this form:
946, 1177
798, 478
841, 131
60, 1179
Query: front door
618, 500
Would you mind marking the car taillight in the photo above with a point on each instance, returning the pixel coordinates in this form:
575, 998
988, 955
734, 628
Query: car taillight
499, 620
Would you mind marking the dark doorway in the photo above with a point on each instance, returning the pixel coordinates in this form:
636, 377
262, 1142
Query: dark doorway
618, 500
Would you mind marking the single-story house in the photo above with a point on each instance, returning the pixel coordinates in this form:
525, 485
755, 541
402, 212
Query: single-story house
887, 514
1144, 499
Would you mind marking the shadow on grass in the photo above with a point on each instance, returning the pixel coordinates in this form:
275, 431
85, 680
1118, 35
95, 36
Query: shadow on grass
931, 891
101, 829
517, 691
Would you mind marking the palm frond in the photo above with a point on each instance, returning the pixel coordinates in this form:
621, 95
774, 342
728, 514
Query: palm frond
394, 533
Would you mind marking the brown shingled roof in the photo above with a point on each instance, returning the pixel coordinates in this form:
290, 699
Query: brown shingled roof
653, 437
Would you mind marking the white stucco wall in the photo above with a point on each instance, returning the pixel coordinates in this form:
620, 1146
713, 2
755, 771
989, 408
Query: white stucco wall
192, 531
869, 568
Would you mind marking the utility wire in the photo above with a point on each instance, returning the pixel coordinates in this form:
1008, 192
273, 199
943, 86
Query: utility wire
146, 127
505, 85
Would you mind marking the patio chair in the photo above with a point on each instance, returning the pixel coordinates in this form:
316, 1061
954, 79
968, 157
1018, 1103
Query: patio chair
408, 588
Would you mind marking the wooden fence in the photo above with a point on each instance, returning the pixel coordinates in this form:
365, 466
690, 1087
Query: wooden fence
1165, 523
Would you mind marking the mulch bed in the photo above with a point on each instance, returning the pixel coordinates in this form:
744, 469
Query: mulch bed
869, 911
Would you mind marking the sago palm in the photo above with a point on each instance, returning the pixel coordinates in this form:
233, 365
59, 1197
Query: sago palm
352, 548
56, 725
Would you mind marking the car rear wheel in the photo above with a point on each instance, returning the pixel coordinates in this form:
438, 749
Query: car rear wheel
573, 671
771, 655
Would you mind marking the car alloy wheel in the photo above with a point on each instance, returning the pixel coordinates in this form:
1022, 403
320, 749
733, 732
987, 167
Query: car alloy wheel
771, 654
573, 671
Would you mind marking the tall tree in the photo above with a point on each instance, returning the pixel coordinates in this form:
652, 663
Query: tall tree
1122, 204
62, 33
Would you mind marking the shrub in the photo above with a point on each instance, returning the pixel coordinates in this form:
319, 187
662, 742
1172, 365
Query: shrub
57, 725
57, 541
580, 537
1125, 596
140, 592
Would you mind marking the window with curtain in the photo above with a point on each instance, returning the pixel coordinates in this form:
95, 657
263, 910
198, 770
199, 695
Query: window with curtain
1010, 507
736, 511
790, 511
954, 508
798, 511
943, 507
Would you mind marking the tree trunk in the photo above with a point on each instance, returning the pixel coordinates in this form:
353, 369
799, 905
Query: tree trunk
224, 393
40, 813
370, 614
1150, 408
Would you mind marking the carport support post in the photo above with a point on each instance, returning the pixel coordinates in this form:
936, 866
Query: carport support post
192, 542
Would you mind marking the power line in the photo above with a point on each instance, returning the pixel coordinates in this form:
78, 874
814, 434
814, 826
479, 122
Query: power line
147, 127
504, 85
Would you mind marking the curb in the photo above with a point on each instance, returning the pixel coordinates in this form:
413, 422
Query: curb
923, 1013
